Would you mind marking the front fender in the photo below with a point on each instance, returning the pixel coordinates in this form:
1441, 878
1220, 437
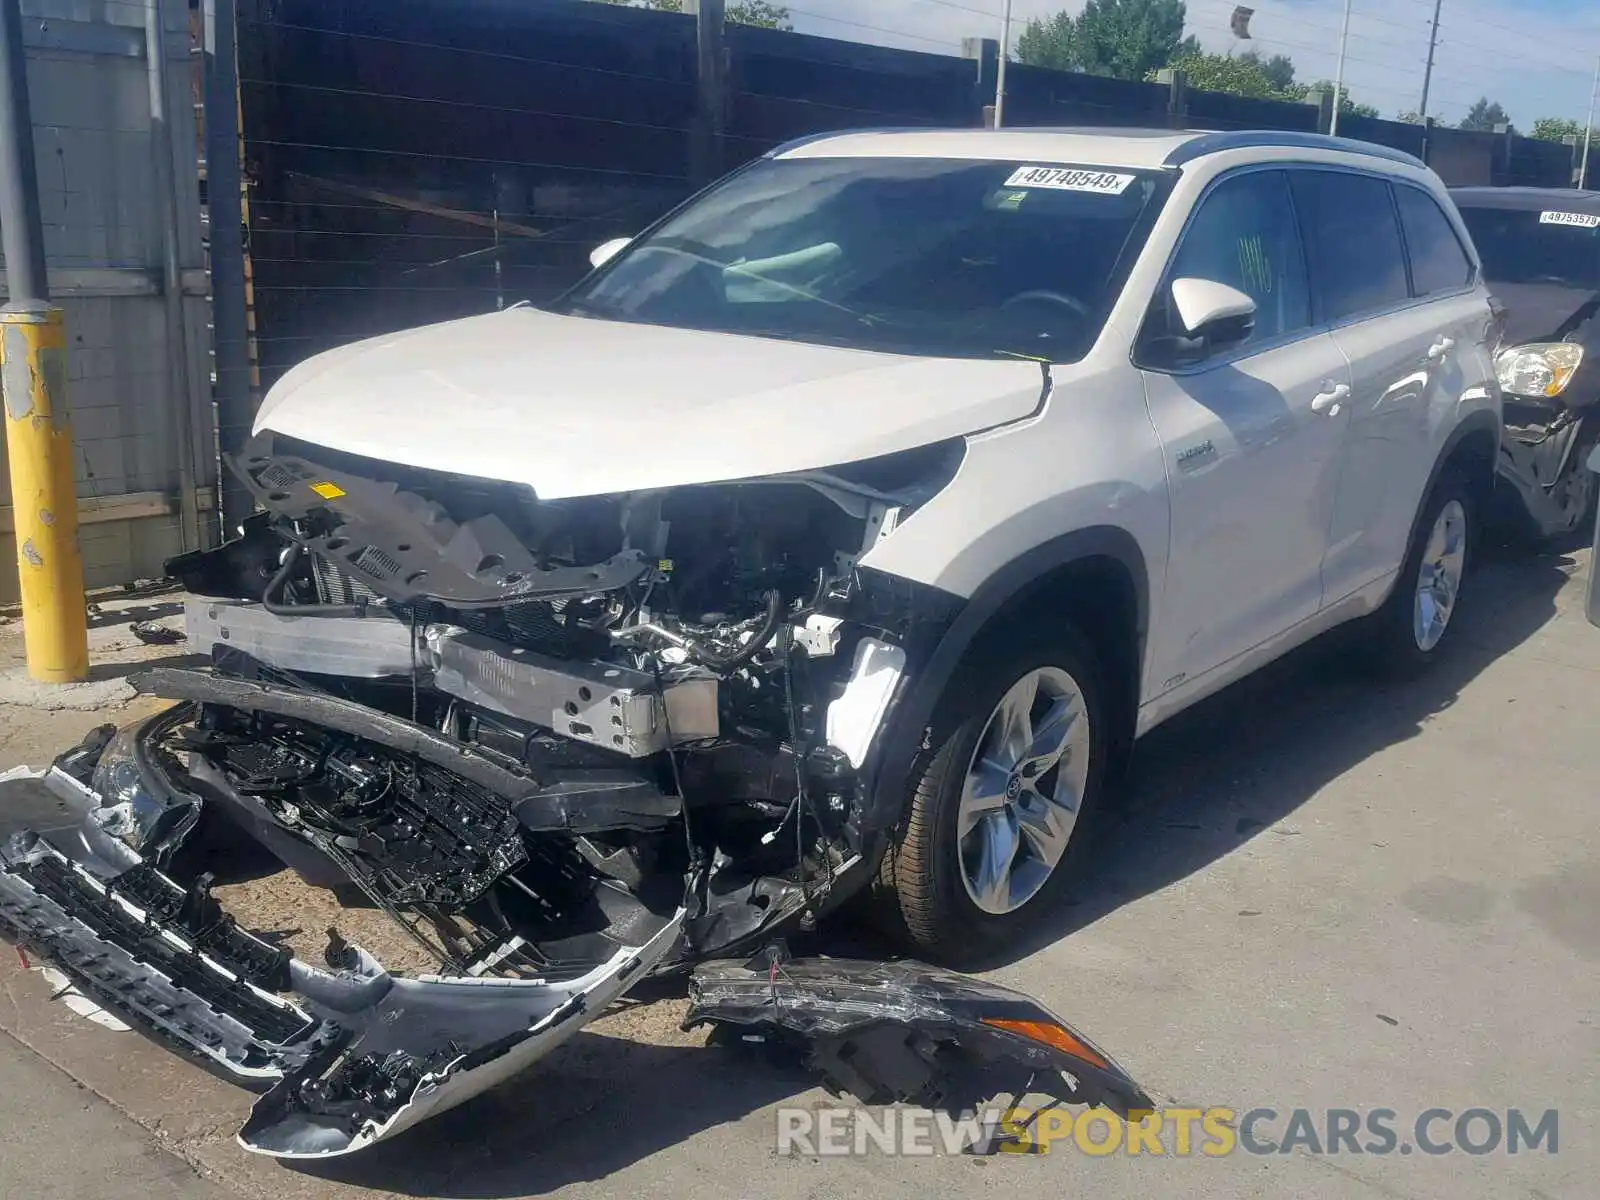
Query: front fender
934, 658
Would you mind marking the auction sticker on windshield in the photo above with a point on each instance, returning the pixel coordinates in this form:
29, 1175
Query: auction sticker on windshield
1071, 179
1581, 220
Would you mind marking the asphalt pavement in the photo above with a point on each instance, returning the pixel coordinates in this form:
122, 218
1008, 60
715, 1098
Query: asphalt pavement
1319, 893
61, 1142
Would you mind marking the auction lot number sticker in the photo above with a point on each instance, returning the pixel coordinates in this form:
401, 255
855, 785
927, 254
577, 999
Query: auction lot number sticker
1070, 179
1581, 220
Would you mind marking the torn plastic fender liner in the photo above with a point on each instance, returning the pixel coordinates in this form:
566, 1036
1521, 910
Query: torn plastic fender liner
907, 1032
392, 538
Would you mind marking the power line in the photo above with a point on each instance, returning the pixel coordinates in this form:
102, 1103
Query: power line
916, 37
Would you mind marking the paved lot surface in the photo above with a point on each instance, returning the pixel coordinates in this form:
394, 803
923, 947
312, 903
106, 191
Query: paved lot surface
1319, 893
60, 1142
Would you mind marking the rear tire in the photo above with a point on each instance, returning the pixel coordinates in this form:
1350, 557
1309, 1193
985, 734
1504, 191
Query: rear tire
1410, 631
989, 807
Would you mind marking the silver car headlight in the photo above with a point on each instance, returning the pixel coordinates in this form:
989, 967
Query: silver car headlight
137, 807
1542, 370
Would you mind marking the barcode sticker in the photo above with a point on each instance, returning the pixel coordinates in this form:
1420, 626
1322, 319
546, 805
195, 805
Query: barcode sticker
1581, 220
1070, 179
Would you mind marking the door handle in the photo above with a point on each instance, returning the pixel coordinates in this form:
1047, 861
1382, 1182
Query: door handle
1440, 348
1328, 401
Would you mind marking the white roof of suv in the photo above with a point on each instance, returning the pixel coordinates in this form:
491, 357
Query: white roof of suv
1146, 149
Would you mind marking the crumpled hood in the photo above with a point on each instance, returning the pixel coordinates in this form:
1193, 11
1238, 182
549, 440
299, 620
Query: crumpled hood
1537, 312
573, 406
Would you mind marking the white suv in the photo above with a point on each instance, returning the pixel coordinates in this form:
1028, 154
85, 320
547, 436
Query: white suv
860, 514
843, 529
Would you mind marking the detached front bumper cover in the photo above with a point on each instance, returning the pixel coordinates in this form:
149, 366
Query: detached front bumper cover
350, 1056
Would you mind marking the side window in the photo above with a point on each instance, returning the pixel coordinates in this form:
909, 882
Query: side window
1438, 263
1352, 240
1244, 235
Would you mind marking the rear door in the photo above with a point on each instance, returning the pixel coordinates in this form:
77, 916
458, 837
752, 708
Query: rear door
1409, 326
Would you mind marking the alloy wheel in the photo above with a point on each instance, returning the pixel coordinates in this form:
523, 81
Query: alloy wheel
1023, 790
1444, 562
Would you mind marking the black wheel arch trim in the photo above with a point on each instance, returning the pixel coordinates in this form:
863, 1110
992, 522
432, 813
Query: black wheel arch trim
1476, 423
931, 667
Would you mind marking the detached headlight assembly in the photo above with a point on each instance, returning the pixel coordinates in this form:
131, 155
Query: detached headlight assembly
137, 807
1541, 371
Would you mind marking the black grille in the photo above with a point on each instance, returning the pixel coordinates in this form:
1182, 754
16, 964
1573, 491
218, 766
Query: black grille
145, 942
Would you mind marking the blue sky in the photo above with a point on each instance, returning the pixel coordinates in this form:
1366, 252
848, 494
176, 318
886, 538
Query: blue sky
1537, 57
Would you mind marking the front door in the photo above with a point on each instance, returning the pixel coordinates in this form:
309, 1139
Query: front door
1252, 439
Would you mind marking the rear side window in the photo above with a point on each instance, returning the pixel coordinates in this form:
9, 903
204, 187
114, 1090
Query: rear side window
1438, 263
1352, 240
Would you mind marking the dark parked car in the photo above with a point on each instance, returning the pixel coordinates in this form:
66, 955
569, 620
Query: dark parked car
1541, 256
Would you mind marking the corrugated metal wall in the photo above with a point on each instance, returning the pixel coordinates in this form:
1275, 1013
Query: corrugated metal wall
88, 79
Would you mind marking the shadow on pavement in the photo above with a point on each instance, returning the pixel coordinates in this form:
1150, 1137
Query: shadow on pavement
131, 614
595, 1106
1237, 764
101, 671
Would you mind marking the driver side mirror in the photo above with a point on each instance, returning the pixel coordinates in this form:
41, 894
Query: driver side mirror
606, 251
1214, 317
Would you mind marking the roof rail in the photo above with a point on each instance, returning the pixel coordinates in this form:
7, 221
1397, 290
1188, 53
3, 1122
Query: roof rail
1253, 139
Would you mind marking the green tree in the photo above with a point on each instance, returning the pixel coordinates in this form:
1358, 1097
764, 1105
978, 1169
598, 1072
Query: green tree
1241, 76
1126, 39
742, 12
1050, 43
1249, 75
1346, 105
1555, 129
1279, 68
1410, 117
1485, 115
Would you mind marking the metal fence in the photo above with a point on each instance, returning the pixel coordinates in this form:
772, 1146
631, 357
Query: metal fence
416, 160
137, 367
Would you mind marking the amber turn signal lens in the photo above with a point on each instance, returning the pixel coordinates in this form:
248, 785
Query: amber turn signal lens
1051, 1035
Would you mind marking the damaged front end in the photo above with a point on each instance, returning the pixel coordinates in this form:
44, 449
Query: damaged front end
551, 747
658, 692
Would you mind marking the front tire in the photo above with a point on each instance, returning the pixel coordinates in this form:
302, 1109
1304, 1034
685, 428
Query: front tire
1001, 810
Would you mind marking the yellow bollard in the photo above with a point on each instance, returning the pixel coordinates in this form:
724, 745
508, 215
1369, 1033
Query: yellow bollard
33, 380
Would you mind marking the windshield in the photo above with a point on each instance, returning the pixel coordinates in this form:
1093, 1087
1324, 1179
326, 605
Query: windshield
926, 256
1536, 247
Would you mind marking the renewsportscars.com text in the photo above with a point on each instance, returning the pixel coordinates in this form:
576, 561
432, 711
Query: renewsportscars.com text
844, 1131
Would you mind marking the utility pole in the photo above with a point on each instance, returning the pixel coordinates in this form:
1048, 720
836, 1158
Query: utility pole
172, 274
1000, 70
712, 69
1588, 130
1338, 79
33, 382
1427, 74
